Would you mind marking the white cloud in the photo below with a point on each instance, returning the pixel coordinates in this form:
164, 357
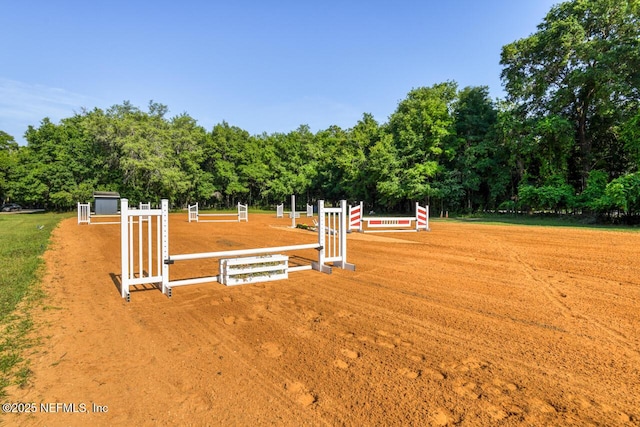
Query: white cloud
23, 104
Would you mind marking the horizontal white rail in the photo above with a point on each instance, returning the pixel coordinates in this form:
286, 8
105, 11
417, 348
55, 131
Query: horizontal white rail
299, 268
388, 222
395, 230
237, 252
195, 281
145, 280
147, 212
388, 218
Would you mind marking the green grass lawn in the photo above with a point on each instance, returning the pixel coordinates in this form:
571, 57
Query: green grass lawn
24, 239
540, 220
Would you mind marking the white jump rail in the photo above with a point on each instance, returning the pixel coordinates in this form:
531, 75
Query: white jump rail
419, 222
139, 248
241, 215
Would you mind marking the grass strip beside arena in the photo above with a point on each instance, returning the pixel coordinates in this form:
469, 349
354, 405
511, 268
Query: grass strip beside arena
25, 238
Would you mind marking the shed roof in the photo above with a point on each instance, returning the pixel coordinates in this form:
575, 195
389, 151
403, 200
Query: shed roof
106, 194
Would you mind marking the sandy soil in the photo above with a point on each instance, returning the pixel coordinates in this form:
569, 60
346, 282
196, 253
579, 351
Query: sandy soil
468, 324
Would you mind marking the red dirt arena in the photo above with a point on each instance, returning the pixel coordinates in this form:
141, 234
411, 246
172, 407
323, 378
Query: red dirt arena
468, 324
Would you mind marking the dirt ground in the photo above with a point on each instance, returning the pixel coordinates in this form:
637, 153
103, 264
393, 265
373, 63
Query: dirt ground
468, 324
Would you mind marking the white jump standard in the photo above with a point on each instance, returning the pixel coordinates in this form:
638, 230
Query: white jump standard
138, 254
241, 215
84, 213
388, 224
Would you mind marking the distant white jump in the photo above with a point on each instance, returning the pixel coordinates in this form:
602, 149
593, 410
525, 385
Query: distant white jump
293, 214
85, 215
241, 215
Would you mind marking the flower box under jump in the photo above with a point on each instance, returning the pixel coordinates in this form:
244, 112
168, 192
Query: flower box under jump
265, 268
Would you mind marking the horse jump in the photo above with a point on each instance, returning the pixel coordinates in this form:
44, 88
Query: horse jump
293, 214
85, 215
241, 215
388, 224
145, 257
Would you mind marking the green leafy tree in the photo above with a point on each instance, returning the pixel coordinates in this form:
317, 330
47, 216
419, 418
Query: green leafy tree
185, 154
630, 133
223, 154
46, 174
448, 190
239, 163
105, 153
141, 139
335, 158
420, 127
362, 138
582, 64
552, 142
511, 135
623, 193
293, 165
474, 152
8, 151
383, 169
593, 197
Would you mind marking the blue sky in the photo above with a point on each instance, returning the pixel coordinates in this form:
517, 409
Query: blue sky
264, 66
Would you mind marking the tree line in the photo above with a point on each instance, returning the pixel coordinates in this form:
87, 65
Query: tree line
565, 139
